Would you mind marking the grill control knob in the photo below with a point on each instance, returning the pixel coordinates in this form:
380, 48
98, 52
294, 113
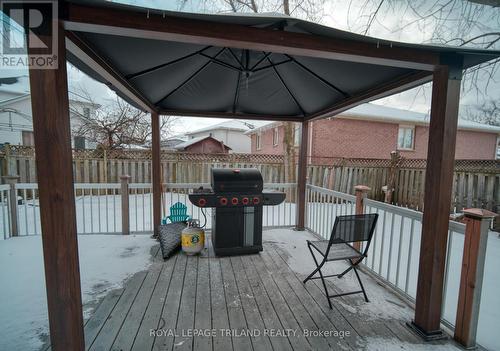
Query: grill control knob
256, 200
244, 201
234, 200
202, 202
223, 201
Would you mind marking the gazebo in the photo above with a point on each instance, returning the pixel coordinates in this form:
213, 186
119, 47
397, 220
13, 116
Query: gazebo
237, 66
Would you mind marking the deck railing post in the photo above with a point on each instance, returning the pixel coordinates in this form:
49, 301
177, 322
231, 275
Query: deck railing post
12, 180
361, 192
471, 279
124, 180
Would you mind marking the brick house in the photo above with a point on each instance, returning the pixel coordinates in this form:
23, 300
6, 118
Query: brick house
203, 145
373, 131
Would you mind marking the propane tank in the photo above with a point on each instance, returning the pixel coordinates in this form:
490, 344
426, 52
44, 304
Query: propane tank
193, 238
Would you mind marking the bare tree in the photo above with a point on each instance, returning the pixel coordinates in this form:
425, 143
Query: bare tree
487, 113
473, 23
117, 124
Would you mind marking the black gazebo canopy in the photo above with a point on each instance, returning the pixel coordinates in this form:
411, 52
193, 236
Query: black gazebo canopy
189, 76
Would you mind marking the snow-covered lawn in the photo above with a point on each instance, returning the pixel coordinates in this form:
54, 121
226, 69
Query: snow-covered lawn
105, 262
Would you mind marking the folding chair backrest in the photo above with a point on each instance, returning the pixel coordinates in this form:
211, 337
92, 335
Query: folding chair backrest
354, 228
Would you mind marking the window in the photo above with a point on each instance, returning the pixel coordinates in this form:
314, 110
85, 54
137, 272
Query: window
86, 112
275, 136
406, 138
79, 143
498, 148
28, 138
258, 141
296, 135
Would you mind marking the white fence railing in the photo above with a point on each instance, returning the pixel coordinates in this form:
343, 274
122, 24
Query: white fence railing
393, 255
99, 207
323, 206
5, 228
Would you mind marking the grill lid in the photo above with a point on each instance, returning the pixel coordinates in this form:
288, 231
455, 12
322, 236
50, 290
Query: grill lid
227, 180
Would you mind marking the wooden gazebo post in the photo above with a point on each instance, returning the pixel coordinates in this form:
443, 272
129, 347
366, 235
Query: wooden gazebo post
156, 170
437, 200
302, 177
51, 126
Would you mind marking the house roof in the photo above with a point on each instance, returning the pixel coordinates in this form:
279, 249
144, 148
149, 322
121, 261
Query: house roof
193, 141
380, 113
234, 124
15, 84
244, 66
14, 99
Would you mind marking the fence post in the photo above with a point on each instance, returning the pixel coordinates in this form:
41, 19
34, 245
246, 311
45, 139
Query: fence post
12, 180
361, 192
471, 279
124, 179
391, 176
9, 169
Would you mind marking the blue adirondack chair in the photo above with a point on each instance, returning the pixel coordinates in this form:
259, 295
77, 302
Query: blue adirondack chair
178, 213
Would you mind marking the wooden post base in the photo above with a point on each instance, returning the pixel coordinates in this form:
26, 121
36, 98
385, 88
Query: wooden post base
427, 336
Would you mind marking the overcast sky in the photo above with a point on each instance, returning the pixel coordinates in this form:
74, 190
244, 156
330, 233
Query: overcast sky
340, 14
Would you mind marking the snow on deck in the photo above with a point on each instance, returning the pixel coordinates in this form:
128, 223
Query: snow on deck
105, 262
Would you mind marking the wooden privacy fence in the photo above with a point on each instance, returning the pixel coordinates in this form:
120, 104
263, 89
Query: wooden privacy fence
476, 182
100, 166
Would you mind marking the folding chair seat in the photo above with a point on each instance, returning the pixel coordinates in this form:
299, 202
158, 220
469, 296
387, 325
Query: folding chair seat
338, 251
346, 231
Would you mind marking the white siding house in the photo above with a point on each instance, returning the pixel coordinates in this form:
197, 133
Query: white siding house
16, 122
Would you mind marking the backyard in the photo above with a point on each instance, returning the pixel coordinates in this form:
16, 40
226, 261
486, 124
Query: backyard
107, 260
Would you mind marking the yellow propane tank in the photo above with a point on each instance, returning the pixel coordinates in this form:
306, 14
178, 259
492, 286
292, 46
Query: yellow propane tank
193, 238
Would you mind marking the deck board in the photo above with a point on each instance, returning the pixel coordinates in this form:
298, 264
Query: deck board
115, 320
237, 320
171, 307
241, 294
151, 318
203, 314
270, 317
130, 327
252, 313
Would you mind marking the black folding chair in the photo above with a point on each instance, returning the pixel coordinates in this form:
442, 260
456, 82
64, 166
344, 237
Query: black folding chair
346, 231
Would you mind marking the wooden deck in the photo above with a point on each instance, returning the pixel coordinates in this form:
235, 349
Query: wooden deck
230, 297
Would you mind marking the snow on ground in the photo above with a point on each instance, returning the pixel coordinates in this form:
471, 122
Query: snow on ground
380, 344
105, 262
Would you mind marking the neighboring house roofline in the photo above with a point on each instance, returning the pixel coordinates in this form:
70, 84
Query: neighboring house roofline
384, 114
226, 125
14, 99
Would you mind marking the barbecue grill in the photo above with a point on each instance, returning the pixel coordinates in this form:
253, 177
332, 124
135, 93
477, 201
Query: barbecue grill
238, 197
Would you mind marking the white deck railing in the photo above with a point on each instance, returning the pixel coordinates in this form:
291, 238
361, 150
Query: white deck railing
99, 207
393, 255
